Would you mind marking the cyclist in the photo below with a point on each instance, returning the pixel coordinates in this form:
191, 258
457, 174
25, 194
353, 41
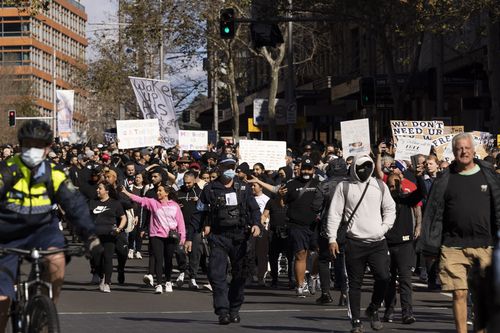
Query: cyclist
30, 186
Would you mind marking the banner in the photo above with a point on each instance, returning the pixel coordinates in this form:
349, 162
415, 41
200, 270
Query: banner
270, 153
407, 147
444, 149
193, 140
155, 100
453, 129
65, 103
427, 130
137, 133
355, 137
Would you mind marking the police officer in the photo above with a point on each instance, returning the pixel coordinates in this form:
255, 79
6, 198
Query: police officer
228, 213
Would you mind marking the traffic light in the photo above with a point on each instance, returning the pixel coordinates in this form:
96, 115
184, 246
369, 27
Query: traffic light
367, 90
12, 118
227, 24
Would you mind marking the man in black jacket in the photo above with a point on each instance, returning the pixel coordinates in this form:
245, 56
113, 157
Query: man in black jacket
462, 214
336, 172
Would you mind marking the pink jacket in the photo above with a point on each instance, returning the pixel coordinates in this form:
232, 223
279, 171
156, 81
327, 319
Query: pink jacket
164, 216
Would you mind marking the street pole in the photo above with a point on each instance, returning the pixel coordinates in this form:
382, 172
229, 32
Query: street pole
290, 92
216, 100
54, 87
162, 56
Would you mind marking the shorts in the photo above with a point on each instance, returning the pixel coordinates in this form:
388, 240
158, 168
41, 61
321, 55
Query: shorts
455, 264
48, 235
302, 238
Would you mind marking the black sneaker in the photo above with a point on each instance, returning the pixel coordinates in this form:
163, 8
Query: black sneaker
372, 314
235, 318
224, 319
388, 317
357, 326
325, 298
408, 319
121, 277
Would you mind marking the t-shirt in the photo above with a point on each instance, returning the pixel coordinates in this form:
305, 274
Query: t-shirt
299, 206
467, 211
277, 213
261, 201
106, 215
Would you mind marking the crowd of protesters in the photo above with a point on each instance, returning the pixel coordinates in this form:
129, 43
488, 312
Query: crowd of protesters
327, 220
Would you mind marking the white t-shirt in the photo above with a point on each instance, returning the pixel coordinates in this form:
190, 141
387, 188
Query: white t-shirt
262, 201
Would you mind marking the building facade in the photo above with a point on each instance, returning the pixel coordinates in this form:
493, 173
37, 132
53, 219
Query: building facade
46, 50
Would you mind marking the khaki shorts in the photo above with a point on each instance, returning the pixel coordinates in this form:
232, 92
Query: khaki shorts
455, 264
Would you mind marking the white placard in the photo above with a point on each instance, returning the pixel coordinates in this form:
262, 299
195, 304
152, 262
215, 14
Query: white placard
65, 103
155, 100
270, 153
419, 129
138, 133
407, 147
193, 140
355, 137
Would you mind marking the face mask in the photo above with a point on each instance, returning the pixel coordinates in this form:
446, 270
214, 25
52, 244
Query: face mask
230, 173
364, 172
32, 156
306, 177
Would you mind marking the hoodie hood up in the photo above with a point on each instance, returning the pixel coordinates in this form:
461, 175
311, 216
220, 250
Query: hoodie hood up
358, 161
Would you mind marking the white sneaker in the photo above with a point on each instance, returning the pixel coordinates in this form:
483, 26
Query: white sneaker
193, 284
208, 286
148, 279
95, 279
138, 255
302, 291
159, 289
101, 285
180, 280
131, 254
314, 284
168, 287
106, 288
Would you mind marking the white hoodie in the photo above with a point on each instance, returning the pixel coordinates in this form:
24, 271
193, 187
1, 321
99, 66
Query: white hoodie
374, 216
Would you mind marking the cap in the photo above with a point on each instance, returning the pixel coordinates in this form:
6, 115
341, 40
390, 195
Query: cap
307, 163
401, 165
227, 158
145, 151
194, 165
105, 157
243, 167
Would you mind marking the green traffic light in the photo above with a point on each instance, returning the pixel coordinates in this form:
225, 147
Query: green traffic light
227, 30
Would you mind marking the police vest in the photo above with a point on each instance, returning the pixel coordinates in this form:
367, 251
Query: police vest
228, 209
30, 198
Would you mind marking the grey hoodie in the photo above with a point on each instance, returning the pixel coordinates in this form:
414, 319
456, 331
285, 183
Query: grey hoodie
375, 215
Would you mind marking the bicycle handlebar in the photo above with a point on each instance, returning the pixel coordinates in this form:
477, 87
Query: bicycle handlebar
77, 251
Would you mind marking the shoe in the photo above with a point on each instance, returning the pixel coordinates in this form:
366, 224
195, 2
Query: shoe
106, 288
235, 318
325, 298
274, 284
208, 286
301, 291
180, 280
224, 319
342, 300
159, 289
357, 326
388, 317
121, 277
137, 255
193, 284
372, 314
148, 279
408, 319
313, 285
95, 279
168, 287
130, 254
101, 285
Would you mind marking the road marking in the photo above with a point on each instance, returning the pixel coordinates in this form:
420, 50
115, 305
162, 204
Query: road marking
422, 285
242, 311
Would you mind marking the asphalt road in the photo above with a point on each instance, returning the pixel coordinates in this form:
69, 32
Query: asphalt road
133, 307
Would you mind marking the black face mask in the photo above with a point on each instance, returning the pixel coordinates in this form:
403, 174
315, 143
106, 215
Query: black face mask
364, 171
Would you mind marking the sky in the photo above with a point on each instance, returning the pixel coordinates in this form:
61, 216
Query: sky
99, 11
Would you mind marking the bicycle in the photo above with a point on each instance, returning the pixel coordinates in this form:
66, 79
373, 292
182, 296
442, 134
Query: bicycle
33, 310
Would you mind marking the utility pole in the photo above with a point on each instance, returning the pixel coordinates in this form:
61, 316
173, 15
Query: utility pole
162, 56
290, 91
215, 94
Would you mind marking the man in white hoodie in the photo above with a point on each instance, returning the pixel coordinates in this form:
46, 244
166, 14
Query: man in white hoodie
365, 241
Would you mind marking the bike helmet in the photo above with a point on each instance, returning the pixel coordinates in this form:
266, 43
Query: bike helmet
35, 130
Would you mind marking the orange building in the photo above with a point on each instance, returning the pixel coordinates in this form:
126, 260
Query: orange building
31, 44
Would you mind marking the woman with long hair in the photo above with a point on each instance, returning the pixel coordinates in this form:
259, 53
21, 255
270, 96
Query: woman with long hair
166, 230
110, 220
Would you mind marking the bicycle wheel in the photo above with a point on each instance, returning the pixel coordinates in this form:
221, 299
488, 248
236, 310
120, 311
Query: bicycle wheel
41, 316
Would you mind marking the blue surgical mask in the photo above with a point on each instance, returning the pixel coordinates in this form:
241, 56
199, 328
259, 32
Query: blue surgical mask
230, 173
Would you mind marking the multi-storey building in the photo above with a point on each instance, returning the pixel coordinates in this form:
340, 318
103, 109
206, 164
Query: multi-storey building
31, 46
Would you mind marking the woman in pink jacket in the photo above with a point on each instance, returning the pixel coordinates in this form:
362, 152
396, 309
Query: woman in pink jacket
166, 221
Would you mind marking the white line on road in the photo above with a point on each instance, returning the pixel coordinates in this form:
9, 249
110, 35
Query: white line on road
422, 285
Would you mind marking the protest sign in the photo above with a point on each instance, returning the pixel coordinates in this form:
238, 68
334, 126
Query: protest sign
261, 111
65, 102
193, 140
444, 149
427, 130
407, 147
453, 129
155, 100
270, 153
109, 137
137, 133
355, 137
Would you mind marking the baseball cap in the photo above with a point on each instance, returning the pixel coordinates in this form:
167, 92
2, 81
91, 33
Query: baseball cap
307, 163
227, 158
105, 157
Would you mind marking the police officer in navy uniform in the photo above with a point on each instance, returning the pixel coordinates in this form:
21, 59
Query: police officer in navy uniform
228, 214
